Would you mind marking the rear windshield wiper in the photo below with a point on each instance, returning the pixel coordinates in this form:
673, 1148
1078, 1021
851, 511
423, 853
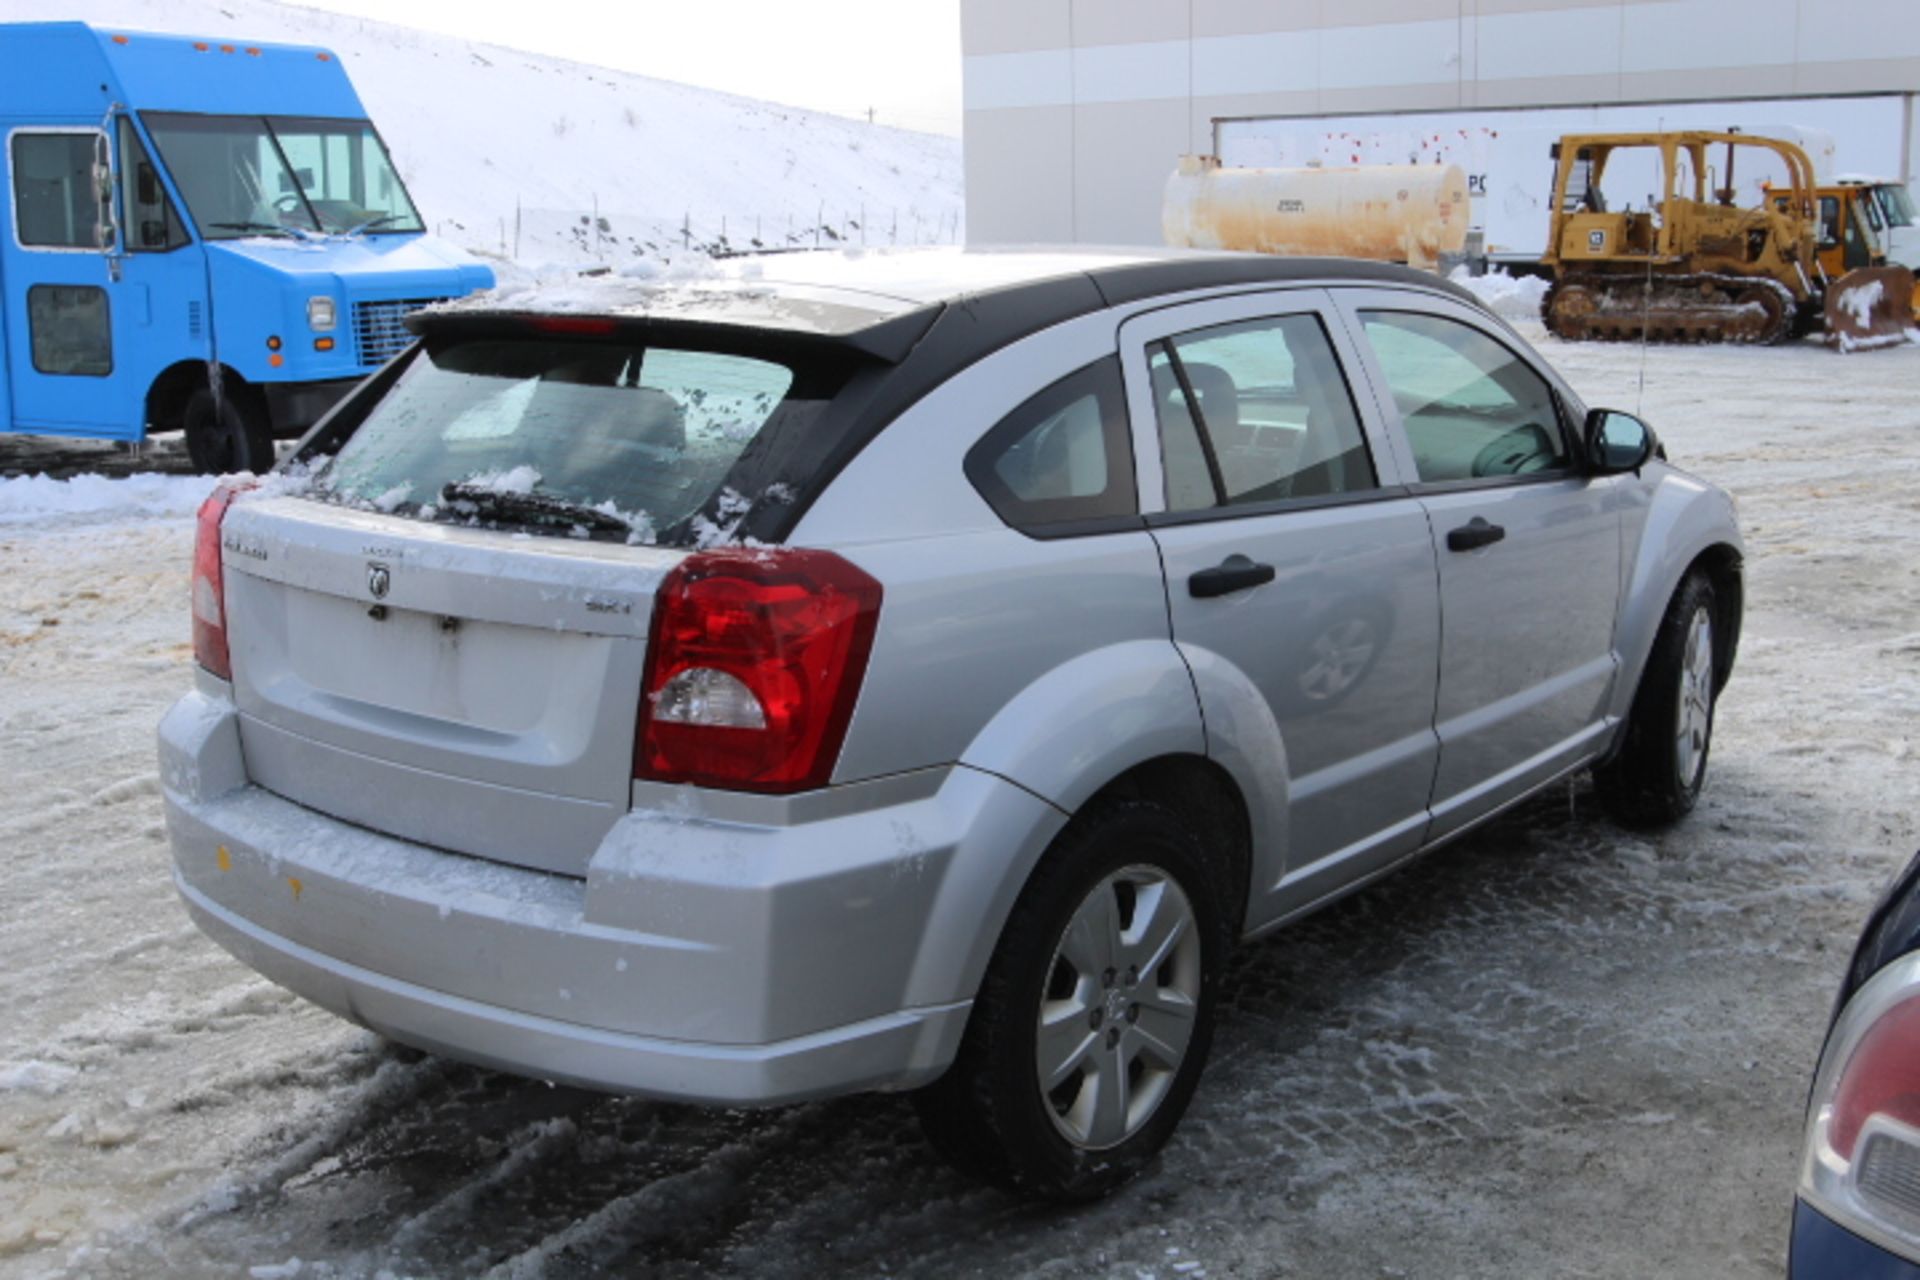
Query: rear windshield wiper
533, 506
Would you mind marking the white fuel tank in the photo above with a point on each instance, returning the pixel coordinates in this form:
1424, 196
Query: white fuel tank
1383, 212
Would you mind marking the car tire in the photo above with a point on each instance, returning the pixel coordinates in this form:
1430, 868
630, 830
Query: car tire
1077, 956
228, 436
1657, 774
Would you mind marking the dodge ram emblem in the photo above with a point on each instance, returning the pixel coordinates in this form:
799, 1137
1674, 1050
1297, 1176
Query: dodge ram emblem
379, 578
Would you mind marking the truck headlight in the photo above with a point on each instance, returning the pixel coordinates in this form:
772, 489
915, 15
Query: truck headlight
320, 313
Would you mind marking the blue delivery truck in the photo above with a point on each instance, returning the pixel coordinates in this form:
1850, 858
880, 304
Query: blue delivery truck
202, 235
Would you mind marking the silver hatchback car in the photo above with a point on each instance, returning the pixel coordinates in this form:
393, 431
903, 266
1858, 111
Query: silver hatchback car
915, 671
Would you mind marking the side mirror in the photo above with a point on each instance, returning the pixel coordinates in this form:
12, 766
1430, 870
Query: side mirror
1617, 442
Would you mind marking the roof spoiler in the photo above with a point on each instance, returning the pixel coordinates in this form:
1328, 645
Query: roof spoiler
889, 339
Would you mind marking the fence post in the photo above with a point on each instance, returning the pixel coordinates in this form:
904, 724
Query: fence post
516, 228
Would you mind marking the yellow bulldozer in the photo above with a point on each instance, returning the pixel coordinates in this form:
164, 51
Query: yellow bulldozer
1694, 265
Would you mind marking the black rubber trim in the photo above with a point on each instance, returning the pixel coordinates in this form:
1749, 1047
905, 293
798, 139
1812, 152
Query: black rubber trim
1279, 506
1093, 528
1473, 484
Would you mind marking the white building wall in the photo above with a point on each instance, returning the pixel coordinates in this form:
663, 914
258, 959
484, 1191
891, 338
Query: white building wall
1076, 109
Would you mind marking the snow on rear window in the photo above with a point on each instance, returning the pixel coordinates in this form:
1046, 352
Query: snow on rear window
603, 438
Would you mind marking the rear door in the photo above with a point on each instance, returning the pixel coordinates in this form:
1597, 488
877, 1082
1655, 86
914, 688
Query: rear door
1297, 564
1528, 547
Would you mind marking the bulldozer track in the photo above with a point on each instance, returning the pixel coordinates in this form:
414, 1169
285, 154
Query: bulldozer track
1698, 307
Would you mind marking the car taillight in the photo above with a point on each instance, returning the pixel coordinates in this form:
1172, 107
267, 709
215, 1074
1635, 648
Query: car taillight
1862, 1162
209, 592
753, 667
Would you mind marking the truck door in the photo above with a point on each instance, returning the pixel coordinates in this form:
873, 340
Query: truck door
88, 331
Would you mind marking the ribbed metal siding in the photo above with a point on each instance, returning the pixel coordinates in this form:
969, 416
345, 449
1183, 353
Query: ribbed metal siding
378, 331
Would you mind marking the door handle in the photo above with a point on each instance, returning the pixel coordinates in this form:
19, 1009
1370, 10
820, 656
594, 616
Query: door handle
1474, 533
1235, 573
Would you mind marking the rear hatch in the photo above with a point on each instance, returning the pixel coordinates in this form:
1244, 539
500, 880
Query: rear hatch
441, 632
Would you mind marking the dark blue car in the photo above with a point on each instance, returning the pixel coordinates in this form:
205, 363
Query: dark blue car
1858, 1212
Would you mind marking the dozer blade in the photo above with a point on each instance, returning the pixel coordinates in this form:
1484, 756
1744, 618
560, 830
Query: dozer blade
1872, 307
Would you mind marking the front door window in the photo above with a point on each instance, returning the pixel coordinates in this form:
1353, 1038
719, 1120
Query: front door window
1472, 409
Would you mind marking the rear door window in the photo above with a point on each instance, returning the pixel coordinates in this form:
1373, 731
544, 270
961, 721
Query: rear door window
579, 438
1254, 412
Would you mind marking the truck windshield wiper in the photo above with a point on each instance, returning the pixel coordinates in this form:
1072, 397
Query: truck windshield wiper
272, 227
533, 506
371, 223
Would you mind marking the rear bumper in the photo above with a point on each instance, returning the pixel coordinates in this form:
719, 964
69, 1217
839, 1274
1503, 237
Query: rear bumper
703, 958
900, 1049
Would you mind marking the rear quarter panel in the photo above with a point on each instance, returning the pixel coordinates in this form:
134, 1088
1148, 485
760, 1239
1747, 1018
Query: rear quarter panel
1047, 661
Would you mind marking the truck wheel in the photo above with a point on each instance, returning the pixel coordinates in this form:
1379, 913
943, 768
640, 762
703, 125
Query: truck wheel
233, 436
1096, 1013
1663, 762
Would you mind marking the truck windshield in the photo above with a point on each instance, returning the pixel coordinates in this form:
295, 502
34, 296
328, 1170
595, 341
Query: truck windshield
281, 175
1896, 205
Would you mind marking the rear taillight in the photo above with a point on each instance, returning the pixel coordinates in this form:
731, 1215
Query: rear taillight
209, 592
753, 668
1861, 1166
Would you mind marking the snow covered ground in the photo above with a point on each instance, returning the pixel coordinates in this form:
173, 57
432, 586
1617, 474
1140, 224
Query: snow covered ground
1554, 1049
519, 155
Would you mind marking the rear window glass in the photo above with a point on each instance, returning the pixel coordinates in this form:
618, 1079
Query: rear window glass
601, 439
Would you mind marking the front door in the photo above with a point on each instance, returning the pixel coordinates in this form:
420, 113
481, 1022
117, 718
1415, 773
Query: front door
1528, 549
1298, 571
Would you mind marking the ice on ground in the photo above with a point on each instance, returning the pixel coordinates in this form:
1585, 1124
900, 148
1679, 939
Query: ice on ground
34, 1076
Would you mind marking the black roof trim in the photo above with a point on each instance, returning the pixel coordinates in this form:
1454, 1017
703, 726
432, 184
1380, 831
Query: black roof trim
962, 333
1138, 281
968, 329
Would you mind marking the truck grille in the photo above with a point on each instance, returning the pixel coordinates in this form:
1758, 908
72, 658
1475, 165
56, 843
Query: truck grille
378, 329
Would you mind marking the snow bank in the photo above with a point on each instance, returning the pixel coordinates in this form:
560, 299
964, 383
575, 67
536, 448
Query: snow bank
33, 499
1512, 296
520, 155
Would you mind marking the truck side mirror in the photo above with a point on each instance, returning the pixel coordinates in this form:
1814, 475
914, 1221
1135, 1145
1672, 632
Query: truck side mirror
1617, 442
